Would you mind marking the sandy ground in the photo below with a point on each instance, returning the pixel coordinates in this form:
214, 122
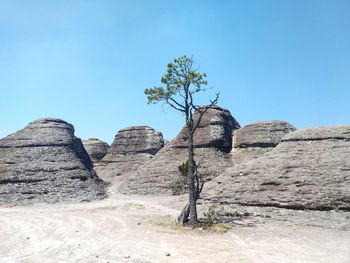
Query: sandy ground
132, 229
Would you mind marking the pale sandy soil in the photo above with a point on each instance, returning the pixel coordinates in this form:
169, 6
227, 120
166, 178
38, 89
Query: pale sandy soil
130, 229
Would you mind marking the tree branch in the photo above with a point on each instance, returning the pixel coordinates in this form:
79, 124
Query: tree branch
181, 95
191, 99
178, 104
174, 107
202, 111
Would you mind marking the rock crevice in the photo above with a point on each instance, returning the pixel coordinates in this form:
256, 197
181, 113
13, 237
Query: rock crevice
96, 149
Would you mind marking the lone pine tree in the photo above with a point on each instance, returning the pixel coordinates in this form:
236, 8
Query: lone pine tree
182, 81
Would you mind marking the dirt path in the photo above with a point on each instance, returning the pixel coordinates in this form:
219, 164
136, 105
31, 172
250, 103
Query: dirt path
128, 229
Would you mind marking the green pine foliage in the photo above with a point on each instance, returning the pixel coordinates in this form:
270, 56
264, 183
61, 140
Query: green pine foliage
180, 185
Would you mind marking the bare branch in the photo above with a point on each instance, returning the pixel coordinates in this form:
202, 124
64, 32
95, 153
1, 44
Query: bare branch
199, 181
177, 103
174, 107
191, 98
197, 185
201, 111
201, 188
164, 103
181, 95
195, 107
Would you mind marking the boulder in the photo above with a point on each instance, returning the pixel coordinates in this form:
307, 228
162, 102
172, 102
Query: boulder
45, 162
96, 149
308, 170
214, 131
255, 139
263, 134
132, 147
213, 142
137, 139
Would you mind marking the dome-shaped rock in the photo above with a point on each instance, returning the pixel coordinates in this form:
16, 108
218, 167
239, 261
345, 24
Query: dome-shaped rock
262, 134
45, 162
215, 130
96, 149
255, 139
132, 147
137, 139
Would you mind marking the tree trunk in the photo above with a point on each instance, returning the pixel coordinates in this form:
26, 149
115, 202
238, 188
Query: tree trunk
191, 180
183, 217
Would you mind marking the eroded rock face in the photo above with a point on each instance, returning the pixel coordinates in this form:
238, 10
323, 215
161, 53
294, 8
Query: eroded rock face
132, 147
96, 149
214, 131
45, 162
262, 134
213, 142
137, 139
309, 169
255, 139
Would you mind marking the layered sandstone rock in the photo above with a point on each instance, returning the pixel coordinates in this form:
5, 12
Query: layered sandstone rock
309, 169
131, 148
214, 131
45, 162
255, 139
213, 142
263, 134
96, 149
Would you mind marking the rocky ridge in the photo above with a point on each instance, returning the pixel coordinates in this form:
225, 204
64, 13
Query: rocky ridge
267, 164
308, 170
45, 162
213, 142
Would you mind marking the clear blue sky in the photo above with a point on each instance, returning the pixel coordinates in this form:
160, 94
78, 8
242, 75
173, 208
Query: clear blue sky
88, 62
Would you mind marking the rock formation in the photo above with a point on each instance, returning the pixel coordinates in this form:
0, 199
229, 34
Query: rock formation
262, 134
45, 162
96, 149
213, 142
132, 147
309, 169
214, 131
255, 139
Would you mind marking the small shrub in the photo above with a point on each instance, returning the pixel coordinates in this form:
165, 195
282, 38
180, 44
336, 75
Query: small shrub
218, 228
183, 168
203, 227
212, 215
178, 186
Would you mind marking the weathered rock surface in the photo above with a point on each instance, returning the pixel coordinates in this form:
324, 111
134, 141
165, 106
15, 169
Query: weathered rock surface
131, 148
137, 139
262, 134
213, 142
214, 131
309, 169
45, 162
96, 149
255, 139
